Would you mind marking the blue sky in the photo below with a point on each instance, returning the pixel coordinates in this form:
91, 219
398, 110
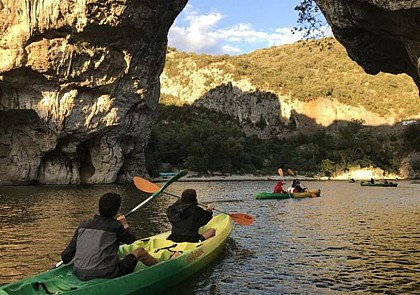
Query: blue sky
234, 26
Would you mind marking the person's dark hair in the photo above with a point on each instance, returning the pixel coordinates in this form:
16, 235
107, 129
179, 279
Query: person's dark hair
109, 204
189, 196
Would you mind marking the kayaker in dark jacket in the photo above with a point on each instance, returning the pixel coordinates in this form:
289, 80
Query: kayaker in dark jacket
187, 217
95, 243
297, 188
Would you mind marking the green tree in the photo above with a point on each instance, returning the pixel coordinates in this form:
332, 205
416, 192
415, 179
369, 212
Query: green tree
412, 137
327, 167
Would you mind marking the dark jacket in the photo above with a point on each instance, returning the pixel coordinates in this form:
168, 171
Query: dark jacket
186, 219
94, 247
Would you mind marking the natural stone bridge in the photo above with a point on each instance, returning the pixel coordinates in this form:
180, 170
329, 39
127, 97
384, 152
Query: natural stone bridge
79, 79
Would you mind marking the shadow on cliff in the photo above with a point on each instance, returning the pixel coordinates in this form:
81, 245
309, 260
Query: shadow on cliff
263, 114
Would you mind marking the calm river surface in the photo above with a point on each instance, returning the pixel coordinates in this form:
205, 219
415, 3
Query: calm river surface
351, 240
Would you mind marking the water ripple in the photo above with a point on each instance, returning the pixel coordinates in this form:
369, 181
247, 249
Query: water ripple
352, 240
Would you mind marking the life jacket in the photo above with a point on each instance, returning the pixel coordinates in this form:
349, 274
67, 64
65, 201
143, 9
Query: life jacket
95, 247
291, 190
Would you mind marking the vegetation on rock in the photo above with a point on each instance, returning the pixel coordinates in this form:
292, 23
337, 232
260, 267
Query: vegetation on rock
205, 141
303, 71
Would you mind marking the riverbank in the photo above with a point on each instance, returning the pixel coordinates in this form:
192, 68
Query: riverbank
193, 177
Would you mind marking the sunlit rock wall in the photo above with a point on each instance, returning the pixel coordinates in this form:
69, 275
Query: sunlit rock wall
79, 86
380, 35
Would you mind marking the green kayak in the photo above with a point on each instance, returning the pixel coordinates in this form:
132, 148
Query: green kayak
268, 195
144, 280
368, 183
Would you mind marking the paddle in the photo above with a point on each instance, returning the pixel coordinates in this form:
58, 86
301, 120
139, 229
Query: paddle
280, 171
291, 172
155, 194
149, 187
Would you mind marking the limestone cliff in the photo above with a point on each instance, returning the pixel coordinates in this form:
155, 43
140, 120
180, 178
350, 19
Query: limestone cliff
380, 35
308, 85
79, 86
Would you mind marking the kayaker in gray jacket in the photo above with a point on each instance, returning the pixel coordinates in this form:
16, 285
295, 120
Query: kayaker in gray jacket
187, 217
95, 243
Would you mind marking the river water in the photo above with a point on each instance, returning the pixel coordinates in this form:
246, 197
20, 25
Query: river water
351, 240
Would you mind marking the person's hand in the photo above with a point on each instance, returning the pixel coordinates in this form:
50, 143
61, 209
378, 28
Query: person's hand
123, 221
209, 207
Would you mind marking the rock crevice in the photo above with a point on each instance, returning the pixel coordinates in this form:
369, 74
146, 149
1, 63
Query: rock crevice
79, 86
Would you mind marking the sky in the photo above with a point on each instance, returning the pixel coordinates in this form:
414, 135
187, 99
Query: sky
234, 26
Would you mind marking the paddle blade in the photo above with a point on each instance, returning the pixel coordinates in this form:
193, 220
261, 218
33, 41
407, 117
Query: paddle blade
290, 171
158, 192
243, 219
280, 171
145, 185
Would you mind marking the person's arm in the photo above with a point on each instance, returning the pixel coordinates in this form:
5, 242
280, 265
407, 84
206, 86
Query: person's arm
124, 234
68, 254
204, 215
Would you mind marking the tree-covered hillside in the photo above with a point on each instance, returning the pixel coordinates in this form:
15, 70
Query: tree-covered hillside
187, 136
206, 141
304, 70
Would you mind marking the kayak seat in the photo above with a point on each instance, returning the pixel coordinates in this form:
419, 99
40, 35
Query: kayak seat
39, 285
53, 287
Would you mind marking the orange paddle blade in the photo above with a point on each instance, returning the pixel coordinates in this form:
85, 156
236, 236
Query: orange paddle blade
145, 185
290, 171
280, 171
243, 219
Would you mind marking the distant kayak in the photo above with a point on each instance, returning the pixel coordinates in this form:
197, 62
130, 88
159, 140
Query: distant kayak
167, 174
270, 195
144, 280
368, 183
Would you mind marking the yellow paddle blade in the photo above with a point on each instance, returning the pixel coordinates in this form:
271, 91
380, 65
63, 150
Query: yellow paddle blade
145, 185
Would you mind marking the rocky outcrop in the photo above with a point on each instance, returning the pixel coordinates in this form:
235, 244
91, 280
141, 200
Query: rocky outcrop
79, 86
410, 166
380, 35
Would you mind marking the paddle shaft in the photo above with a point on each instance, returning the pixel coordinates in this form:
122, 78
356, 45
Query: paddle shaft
150, 187
280, 171
159, 191
202, 205
139, 205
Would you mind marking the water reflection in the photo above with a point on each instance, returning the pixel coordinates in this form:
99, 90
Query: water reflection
352, 239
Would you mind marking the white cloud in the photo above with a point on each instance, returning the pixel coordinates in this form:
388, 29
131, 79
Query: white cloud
201, 34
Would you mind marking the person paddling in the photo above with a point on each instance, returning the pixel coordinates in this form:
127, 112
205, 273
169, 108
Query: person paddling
187, 217
95, 243
296, 187
279, 188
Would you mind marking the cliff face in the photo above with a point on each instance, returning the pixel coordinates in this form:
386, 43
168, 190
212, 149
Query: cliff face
79, 86
263, 108
380, 35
